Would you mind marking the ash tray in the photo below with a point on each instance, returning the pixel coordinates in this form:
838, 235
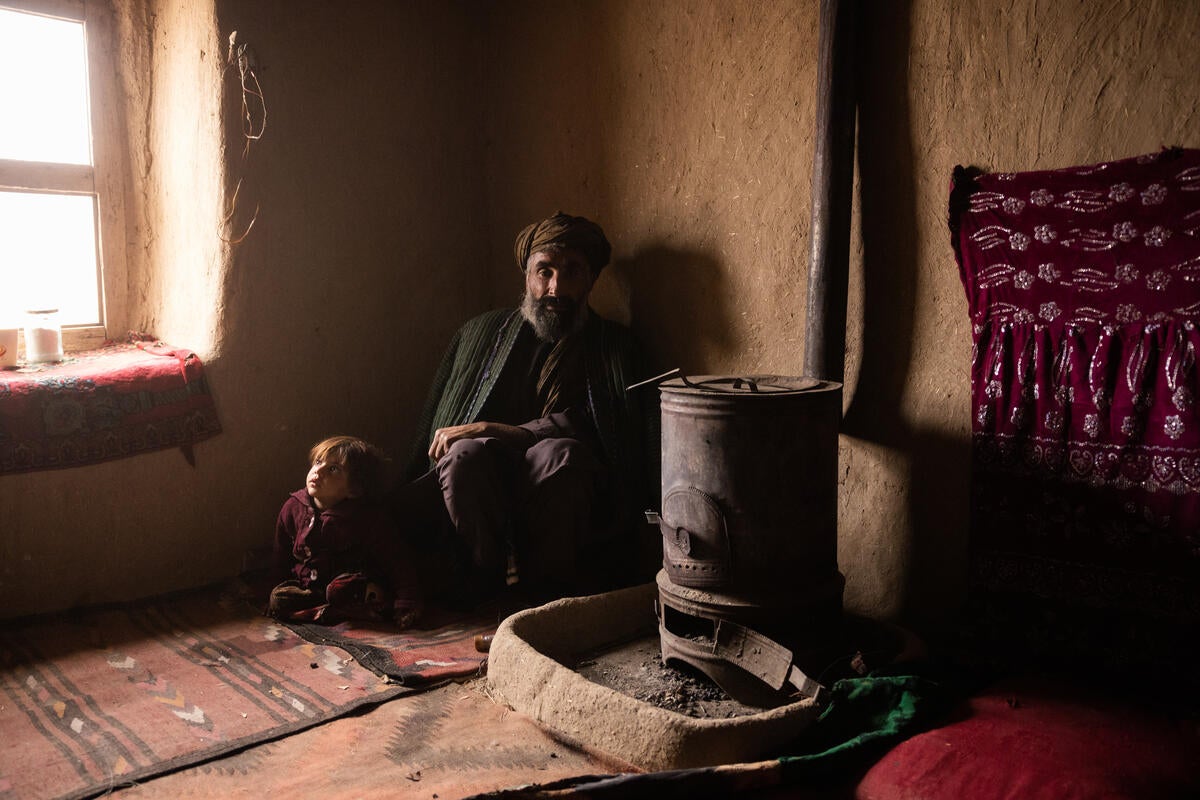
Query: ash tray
531, 666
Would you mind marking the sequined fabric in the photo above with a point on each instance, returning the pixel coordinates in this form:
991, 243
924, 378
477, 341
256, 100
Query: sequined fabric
1084, 294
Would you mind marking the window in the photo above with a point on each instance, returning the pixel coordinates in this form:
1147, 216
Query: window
52, 215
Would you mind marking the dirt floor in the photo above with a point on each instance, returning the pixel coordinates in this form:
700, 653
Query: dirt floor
637, 669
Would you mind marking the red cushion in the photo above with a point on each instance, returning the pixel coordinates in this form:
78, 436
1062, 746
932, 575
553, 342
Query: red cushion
1032, 739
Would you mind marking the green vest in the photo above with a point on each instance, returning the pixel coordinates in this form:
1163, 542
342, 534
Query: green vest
479, 353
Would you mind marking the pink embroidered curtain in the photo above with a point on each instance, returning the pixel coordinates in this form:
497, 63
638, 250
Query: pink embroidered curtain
1084, 293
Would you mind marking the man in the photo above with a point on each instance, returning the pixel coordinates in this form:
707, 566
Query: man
529, 451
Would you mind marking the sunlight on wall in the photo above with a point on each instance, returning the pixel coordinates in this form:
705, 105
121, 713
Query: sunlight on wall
170, 64
186, 134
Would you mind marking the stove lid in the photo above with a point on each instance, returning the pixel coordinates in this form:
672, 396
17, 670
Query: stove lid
747, 385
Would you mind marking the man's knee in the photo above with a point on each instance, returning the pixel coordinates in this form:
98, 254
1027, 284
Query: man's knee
465, 449
471, 460
562, 458
470, 452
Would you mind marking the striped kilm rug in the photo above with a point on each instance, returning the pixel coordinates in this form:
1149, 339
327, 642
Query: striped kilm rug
112, 696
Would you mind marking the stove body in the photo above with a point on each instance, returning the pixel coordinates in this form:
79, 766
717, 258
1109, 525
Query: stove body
750, 587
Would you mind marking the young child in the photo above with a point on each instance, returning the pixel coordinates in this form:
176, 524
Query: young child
338, 548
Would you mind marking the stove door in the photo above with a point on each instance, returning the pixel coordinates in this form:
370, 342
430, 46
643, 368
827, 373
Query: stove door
696, 549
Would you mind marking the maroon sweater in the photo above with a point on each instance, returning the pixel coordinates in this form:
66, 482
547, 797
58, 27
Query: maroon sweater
314, 546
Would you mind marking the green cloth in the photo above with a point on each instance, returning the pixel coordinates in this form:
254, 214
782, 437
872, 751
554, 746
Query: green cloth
867, 716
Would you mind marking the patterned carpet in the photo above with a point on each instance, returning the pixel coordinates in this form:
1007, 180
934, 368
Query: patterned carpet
449, 742
440, 647
112, 696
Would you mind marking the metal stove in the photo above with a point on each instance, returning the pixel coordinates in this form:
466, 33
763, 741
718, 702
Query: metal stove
749, 592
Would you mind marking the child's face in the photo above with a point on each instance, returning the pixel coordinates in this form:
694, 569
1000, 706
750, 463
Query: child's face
328, 484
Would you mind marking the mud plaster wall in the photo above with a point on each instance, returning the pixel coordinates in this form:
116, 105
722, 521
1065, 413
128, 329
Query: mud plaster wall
328, 318
110, 531
686, 128
408, 142
1007, 87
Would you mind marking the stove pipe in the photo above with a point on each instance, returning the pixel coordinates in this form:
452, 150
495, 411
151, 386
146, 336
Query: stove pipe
832, 186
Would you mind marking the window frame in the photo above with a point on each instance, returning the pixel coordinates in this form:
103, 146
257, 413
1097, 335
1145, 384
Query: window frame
103, 180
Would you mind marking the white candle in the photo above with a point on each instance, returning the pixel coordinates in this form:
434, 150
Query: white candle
43, 337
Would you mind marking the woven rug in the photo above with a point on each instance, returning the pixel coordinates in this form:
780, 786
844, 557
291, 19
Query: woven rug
440, 648
112, 696
450, 742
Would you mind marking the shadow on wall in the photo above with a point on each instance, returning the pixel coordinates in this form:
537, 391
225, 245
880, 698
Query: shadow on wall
938, 465
679, 296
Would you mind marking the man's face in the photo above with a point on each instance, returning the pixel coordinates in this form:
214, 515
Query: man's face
557, 284
328, 484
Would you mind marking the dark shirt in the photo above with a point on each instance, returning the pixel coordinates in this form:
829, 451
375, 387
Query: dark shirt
515, 399
624, 432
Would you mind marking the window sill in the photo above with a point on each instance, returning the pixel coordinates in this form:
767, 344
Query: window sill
84, 337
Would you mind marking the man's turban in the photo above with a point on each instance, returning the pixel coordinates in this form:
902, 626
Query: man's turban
563, 230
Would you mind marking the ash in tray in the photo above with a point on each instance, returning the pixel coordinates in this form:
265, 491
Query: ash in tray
637, 669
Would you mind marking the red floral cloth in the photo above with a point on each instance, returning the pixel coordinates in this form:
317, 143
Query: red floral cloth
1084, 293
97, 405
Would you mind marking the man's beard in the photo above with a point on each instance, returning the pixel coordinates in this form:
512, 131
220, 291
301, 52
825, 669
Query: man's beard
553, 318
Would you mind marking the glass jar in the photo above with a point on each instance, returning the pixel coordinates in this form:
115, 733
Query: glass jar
43, 336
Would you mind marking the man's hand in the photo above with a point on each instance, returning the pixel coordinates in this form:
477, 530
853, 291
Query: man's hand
510, 434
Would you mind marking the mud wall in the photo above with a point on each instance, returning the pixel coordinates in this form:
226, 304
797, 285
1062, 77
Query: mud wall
328, 317
407, 143
687, 129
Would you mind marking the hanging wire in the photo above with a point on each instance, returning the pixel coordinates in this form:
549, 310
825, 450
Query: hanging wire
253, 121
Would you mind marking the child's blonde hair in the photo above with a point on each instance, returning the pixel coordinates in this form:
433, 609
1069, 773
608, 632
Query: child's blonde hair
364, 462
